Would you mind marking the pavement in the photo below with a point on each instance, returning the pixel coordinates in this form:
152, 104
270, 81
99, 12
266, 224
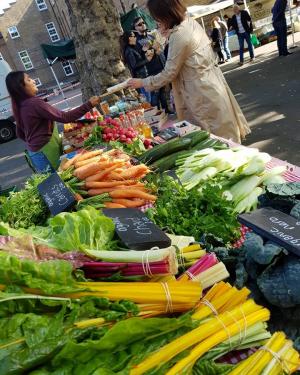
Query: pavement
268, 91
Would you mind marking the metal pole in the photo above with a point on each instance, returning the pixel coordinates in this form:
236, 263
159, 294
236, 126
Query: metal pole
292, 25
57, 82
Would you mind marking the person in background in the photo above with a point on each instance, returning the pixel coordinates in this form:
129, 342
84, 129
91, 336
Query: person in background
143, 36
156, 64
224, 32
35, 121
242, 24
217, 40
201, 93
280, 27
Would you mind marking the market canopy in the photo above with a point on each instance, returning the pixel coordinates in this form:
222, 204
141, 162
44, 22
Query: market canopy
197, 11
63, 50
128, 18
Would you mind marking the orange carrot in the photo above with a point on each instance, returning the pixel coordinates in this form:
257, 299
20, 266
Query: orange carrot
70, 162
132, 193
87, 170
97, 191
103, 167
113, 205
133, 171
106, 184
89, 154
129, 203
78, 197
95, 159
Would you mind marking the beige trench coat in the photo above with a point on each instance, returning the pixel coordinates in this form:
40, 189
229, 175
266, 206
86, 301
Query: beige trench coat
202, 96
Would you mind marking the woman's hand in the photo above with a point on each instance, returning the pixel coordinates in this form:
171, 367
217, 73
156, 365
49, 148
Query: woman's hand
94, 100
135, 83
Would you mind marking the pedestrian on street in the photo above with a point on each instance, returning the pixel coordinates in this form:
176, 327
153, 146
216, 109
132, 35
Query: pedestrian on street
35, 121
242, 24
280, 27
217, 40
202, 96
224, 32
144, 38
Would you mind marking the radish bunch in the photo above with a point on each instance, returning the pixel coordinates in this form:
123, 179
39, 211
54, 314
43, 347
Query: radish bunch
112, 131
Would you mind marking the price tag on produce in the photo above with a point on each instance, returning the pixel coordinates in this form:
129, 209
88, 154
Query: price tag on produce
135, 230
56, 195
275, 226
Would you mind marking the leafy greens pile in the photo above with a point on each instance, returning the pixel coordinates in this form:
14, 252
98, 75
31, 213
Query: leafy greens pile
194, 213
87, 229
25, 208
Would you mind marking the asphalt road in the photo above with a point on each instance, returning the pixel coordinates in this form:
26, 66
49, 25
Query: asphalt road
267, 90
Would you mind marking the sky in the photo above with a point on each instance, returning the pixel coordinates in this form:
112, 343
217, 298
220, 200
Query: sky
5, 3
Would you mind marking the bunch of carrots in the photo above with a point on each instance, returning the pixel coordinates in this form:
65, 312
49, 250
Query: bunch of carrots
111, 173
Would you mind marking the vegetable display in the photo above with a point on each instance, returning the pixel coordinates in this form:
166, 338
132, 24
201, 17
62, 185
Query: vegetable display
185, 212
75, 300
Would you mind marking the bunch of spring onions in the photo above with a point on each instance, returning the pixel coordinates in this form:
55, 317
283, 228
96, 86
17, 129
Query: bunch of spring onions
276, 357
225, 316
241, 172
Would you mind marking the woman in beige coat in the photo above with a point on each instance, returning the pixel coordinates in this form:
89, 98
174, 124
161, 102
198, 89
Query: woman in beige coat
201, 93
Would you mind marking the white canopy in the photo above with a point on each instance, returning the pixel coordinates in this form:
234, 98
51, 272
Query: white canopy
197, 11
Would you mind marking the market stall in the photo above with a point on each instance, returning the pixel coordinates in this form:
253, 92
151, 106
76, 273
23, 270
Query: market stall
141, 260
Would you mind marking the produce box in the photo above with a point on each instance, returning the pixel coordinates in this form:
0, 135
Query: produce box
185, 127
76, 133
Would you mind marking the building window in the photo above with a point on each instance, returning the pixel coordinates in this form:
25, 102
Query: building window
67, 68
13, 32
1, 56
37, 82
41, 4
52, 32
25, 60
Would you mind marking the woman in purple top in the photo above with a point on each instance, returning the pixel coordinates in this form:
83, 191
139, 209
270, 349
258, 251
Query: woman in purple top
35, 120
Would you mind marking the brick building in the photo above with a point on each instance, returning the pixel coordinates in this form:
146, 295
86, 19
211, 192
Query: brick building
24, 26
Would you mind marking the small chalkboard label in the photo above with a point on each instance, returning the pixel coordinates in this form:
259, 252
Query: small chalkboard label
56, 195
135, 230
275, 226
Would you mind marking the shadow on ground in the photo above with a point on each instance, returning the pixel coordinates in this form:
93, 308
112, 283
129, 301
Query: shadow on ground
268, 93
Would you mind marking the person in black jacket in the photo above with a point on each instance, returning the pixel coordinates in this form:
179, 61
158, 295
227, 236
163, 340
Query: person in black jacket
280, 27
242, 24
217, 40
135, 59
156, 63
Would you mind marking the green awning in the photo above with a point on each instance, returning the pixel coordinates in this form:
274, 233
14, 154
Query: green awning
63, 50
128, 18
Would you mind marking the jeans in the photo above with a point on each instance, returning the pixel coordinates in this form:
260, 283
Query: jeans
281, 32
158, 98
226, 47
242, 37
40, 162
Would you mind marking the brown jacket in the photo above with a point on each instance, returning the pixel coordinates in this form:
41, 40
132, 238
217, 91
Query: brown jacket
201, 93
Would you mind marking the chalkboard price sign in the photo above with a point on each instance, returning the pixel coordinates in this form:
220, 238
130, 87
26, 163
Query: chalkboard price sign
56, 195
275, 226
135, 230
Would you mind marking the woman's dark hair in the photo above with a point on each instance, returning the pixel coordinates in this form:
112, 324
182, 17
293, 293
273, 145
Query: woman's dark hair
16, 88
168, 12
125, 42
